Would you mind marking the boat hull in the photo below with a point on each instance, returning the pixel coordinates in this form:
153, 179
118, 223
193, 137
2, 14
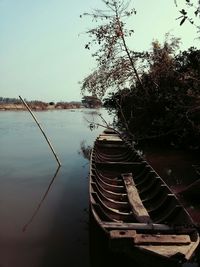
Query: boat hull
134, 207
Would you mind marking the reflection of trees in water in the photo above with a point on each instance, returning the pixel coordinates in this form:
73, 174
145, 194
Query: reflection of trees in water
92, 117
95, 120
85, 150
92, 112
93, 126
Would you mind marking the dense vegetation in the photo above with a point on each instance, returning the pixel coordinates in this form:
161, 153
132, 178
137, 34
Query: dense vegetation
7, 100
155, 94
169, 108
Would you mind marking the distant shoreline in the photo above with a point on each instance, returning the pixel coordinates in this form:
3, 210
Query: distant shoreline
35, 107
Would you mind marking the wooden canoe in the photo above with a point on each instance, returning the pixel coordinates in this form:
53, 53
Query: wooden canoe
134, 206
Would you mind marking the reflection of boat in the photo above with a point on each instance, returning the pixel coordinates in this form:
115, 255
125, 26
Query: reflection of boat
134, 206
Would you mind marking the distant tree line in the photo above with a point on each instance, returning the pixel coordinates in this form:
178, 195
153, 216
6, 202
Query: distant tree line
39, 105
91, 101
7, 100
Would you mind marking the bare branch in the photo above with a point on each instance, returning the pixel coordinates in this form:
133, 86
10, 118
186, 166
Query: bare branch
110, 37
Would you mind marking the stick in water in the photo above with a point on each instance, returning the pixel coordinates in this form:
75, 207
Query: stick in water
26, 105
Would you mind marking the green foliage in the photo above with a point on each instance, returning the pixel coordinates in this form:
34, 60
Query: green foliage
171, 110
191, 13
115, 62
91, 101
158, 100
7, 100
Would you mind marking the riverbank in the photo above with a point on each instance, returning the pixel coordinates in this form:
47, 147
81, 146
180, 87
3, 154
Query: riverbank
38, 107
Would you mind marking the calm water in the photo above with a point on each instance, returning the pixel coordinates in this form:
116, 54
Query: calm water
44, 219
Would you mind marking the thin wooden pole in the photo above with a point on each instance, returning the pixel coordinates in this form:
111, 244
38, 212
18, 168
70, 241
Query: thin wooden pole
50, 145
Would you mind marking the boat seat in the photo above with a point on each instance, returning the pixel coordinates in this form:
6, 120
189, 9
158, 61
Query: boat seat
149, 239
138, 209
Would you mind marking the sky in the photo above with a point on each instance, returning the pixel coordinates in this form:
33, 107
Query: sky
42, 55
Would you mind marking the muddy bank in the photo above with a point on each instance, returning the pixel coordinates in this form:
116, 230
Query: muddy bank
19, 107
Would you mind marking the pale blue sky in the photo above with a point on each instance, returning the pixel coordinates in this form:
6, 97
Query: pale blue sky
42, 55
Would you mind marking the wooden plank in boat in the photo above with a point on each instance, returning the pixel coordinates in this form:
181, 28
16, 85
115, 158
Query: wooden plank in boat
110, 134
109, 138
121, 163
147, 226
109, 131
152, 239
137, 206
161, 239
117, 234
113, 145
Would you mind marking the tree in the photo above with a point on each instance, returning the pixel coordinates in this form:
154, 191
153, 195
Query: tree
171, 111
159, 102
116, 64
91, 101
190, 13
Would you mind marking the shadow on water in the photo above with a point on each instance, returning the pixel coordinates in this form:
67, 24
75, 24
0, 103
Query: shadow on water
100, 254
67, 241
60, 231
25, 227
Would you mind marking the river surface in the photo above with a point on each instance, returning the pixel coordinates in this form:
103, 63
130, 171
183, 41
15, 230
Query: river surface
44, 211
44, 216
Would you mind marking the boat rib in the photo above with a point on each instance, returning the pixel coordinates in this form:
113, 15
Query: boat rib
130, 201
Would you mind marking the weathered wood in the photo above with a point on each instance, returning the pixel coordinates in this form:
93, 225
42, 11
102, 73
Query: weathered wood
137, 206
110, 146
147, 221
40, 127
152, 227
122, 163
121, 234
151, 239
109, 134
161, 239
185, 250
109, 138
136, 226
